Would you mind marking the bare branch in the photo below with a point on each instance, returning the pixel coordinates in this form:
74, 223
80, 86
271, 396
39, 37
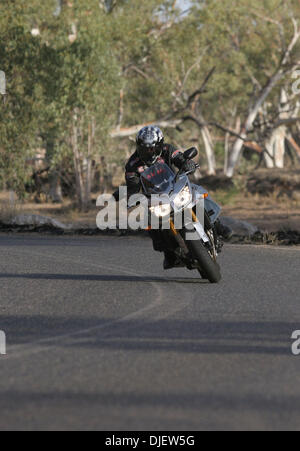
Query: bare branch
253, 146
254, 80
193, 96
202, 88
126, 132
289, 121
170, 123
274, 22
292, 44
136, 69
294, 144
188, 72
213, 124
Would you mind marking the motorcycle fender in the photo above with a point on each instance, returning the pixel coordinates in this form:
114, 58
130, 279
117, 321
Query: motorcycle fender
210, 204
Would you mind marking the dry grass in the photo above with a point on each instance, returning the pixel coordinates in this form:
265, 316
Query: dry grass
9, 206
66, 212
269, 213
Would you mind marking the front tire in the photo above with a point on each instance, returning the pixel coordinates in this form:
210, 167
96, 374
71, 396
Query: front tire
209, 268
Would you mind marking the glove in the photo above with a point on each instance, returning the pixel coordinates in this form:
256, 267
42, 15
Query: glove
189, 166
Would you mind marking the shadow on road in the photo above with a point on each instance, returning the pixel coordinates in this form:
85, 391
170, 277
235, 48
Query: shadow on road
164, 335
101, 278
57, 240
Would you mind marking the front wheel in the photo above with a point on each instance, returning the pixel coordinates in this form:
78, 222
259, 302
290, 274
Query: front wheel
209, 267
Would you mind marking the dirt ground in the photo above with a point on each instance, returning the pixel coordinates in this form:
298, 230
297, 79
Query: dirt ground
268, 213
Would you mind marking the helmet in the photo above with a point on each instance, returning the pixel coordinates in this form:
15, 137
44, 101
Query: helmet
149, 142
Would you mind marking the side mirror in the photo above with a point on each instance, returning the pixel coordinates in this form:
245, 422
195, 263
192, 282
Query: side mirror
190, 153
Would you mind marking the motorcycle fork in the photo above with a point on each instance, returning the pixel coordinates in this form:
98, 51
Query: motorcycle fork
180, 241
178, 237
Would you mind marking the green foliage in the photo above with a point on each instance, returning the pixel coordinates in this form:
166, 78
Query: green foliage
19, 55
84, 55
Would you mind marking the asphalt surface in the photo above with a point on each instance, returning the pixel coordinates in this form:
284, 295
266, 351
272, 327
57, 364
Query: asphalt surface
99, 338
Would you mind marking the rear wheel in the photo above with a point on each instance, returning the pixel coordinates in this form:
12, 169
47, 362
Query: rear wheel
210, 269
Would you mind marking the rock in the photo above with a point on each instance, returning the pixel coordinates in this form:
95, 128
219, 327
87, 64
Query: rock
240, 228
268, 181
38, 221
216, 182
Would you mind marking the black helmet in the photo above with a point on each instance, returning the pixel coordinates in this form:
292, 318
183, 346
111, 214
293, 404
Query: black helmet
149, 143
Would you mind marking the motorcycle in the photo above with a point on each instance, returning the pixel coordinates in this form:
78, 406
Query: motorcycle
182, 199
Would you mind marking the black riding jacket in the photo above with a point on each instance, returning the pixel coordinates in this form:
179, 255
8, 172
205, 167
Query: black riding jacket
135, 167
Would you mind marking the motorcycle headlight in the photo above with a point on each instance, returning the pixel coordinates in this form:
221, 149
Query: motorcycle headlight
161, 210
183, 198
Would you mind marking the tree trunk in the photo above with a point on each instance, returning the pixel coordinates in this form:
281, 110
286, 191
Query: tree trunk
209, 149
226, 147
88, 171
275, 145
107, 5
239, 143
55, 191
274, 157
77, 163
208, 142
227, 137
253, 112
294, 144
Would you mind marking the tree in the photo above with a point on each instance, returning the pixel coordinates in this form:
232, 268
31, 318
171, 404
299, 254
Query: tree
252, 61
80, 73
79, 108
22, 60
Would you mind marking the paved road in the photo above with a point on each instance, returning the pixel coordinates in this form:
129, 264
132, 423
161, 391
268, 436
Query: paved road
99, 338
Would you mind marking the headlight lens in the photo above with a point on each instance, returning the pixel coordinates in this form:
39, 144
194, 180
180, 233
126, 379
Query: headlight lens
161, 210
183, 198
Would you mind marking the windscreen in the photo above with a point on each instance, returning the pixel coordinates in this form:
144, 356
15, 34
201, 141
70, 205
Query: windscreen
158, 179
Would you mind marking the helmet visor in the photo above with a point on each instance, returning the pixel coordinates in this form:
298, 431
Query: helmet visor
147, 153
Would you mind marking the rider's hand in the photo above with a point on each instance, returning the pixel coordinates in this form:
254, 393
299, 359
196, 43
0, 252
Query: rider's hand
190, 166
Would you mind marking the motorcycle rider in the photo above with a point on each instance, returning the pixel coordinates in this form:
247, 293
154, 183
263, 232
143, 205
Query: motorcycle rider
150, 149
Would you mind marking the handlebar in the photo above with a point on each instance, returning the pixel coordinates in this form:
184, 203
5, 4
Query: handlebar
180, 172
